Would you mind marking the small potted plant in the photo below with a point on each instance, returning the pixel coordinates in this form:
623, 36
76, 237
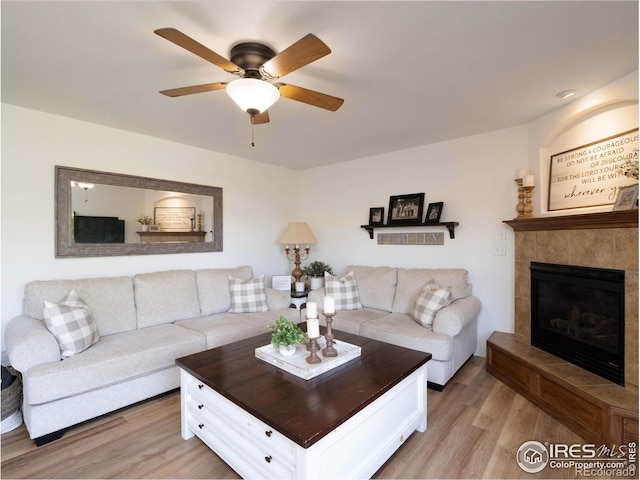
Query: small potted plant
286, 335
315, 272
145, 221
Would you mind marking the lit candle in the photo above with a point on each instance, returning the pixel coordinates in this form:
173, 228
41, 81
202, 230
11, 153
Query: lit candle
313, 327
521, 172
329, 305
528, 181
312, 310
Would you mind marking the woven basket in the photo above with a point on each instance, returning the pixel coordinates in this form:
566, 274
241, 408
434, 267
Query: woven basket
12, 397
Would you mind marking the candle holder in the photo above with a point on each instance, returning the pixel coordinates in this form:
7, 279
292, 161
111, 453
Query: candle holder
520, 205
528, 208
313, 348
329, 350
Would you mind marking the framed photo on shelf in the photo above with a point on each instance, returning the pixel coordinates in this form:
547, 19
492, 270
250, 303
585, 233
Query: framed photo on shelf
627, 197
434, 211
405, 209
376, 216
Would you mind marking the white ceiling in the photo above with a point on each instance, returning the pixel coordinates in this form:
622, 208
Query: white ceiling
411, 72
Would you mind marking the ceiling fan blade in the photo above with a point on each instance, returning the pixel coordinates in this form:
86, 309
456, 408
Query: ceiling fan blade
306, 50
188, 43
207, 87
310, 97
261, 118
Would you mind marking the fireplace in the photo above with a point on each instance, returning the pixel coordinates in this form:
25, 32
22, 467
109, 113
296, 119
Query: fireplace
577, 313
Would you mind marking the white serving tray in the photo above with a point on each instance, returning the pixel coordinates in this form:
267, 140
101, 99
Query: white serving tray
297, 365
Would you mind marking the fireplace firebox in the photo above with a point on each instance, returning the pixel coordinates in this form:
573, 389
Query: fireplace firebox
577, 314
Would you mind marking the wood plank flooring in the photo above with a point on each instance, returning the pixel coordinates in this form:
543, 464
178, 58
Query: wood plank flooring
475, 427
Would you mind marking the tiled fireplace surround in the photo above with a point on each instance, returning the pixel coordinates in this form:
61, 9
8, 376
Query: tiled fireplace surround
597, 409
600, 240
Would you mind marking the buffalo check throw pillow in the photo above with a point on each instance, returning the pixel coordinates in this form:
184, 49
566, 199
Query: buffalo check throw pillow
249, 296
431, 300
70, 321
344, 290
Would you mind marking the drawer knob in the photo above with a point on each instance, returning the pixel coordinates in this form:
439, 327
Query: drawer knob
200, 386
201, 426
200, 407
268, 459
268, 433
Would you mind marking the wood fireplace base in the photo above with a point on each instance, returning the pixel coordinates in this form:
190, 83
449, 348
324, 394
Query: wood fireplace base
598, 410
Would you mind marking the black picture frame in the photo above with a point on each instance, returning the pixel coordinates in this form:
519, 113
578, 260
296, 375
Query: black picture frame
376, 216
434, 211
405, 209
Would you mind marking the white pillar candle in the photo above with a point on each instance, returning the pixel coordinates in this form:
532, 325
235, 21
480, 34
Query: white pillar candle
329, 305
313, 327
312, 310
521, 172
528, 181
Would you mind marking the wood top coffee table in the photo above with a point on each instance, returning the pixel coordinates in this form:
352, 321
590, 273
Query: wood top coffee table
265, 422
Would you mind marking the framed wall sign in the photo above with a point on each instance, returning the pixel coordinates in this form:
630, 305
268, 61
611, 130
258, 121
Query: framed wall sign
175, 219
590, 175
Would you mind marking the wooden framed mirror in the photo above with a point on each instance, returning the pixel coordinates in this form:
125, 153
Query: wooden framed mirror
96, 215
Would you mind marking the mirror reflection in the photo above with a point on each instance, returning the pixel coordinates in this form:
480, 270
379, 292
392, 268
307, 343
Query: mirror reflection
112, 214
104, 214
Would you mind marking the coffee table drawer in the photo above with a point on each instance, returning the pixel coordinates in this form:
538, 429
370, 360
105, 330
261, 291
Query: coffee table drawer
209, 405
237, 450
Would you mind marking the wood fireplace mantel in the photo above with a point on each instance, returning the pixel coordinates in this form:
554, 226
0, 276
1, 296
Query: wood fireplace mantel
617, 219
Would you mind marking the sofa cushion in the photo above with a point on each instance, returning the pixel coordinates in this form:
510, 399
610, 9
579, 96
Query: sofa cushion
248, 296
213, 287
411, 281
110, 300
344, 290
164, 297
429, 302
112, 360
400, 329
70, 321
223, 328
350, 320
376, 286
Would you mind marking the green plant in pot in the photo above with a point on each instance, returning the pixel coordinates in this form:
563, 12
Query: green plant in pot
315, 272
286, 335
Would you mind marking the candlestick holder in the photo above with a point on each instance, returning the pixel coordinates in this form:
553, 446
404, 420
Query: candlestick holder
528, 208
520, 205
313, 348
329, 350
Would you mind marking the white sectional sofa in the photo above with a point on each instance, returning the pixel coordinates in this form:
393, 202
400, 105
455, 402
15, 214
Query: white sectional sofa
387, 296
144, 323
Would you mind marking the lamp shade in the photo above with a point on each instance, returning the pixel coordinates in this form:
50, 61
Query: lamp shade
253, 94
297, 233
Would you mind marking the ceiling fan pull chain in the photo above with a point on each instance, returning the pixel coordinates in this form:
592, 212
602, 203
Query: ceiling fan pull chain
252, 131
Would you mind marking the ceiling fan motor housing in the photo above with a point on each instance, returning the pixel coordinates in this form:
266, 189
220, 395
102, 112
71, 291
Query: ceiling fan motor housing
250, 56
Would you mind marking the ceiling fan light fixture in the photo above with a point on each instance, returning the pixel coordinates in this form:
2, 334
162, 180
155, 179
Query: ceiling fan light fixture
253, 94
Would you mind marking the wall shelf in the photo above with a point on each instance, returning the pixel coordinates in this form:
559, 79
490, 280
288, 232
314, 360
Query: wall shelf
449, 225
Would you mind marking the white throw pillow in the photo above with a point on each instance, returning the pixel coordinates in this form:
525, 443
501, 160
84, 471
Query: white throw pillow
249, 296
344, 290
431, 300
70, 321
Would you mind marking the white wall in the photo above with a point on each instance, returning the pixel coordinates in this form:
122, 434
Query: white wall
256, 200
473, 176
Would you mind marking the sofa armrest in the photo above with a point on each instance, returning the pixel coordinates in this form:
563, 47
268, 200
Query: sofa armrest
29, 343
454, 318
317, 296
277, 299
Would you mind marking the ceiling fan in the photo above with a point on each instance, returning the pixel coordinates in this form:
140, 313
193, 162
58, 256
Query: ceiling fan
257, 65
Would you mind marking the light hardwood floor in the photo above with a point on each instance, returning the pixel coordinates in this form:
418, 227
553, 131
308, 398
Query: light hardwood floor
475, 427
